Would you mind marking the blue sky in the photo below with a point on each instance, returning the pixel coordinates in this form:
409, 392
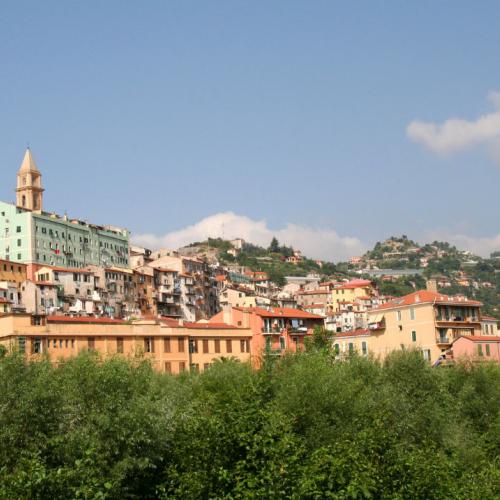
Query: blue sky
265, 117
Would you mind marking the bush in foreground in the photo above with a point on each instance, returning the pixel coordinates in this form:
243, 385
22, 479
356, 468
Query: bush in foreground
304, 427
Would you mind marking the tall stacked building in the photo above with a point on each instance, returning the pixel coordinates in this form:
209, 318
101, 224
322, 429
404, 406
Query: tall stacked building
35, 237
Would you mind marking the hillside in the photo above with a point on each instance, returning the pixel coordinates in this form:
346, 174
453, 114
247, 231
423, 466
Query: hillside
456, 271
275, 260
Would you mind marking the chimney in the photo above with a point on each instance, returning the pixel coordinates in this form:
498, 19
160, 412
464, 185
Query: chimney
432, 285
246, 319
227, 313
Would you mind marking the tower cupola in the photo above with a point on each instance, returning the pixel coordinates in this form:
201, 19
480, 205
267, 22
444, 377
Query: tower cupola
29, 191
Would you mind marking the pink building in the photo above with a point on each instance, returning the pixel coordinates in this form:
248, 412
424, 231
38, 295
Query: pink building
479, 348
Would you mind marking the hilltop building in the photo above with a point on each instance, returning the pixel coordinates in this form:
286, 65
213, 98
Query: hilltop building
32, 236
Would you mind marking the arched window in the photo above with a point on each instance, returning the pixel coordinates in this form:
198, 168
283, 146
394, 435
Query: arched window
24, 201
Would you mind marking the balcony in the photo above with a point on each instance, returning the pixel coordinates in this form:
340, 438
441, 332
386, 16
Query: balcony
162, 299
300, 330
272, 331
457, 320
443, 341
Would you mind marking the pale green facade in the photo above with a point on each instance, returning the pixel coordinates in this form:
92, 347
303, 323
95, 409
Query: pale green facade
44, 238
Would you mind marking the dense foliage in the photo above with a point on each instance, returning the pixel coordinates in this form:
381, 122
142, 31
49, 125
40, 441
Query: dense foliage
302, 427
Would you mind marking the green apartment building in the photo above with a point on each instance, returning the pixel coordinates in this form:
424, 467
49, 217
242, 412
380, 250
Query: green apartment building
32, 236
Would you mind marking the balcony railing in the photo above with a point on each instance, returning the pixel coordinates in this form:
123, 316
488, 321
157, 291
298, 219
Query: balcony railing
272, 331
443, 340
457, 319
299, 330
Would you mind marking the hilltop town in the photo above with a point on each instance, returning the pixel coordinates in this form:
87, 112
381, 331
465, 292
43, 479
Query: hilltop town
58, 273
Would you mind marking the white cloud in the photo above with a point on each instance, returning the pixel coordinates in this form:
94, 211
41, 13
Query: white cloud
494, 97
457, 134
322, 243
482, 246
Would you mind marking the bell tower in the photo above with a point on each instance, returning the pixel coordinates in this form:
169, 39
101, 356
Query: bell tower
29, 191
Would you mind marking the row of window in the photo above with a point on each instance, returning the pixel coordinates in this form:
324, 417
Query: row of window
70, 263
168, 366
13, 269
412, 314
38, 344
149, 345
206, 348
7, 230
486, 351
350, 347
488, 329
82, 239
119, 276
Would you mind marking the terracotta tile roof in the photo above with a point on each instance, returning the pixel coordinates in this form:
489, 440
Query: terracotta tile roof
354, 284
121, 270
66, 269
314, 292
220, 278
425, 297
210, 326
165, 270
489, 318
356, 333
480, 338
173, 323
281, 312
84, 319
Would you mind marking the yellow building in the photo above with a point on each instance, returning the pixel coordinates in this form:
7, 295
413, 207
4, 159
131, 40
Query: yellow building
241, 297
349, 292
171, 346
426, 320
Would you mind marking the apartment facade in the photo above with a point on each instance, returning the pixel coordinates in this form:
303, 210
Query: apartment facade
32, 236
171, 347
274, 330
426, 320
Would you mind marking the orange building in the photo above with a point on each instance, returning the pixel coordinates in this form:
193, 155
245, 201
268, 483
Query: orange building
275, 330
171, 346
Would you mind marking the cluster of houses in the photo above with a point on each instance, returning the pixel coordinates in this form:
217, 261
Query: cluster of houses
67, 285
